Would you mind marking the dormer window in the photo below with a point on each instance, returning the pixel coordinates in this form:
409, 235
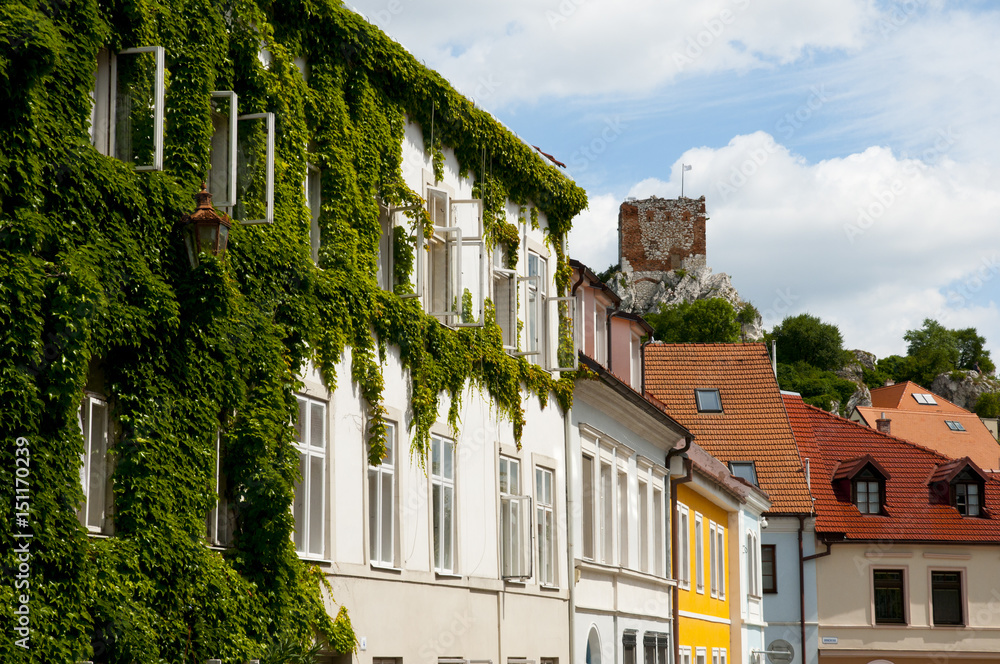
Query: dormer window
925, 399
867, 492
745, 470
866, 479
708, 401
960, 484
954, 425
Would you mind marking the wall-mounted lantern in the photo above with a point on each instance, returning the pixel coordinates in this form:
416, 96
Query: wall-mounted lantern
205, 229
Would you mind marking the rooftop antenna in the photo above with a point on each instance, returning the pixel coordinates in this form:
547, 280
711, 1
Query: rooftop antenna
684, 167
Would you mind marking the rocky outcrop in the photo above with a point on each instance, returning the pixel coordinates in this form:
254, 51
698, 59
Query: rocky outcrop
861, 397
644, 292
964, 391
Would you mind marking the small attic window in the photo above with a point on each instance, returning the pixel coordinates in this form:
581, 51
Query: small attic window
954, 426
925, 399
745, 470
868, 490
967, 493
708, 401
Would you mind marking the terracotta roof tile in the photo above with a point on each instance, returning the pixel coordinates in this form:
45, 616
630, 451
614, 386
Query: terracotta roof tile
826, 440
752, 425
925, 425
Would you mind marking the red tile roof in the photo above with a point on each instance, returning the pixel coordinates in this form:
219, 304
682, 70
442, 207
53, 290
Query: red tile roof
826, 440
924, 424
752, 425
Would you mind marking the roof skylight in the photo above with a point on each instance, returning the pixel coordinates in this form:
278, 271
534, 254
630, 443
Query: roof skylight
925, 399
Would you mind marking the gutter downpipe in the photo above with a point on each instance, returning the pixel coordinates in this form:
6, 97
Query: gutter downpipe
802, 588
570, 544
674, 483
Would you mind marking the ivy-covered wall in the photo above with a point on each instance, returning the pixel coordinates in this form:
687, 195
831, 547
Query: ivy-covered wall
97, 294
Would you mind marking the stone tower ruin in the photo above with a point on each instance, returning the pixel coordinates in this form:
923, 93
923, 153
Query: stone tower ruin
657, 235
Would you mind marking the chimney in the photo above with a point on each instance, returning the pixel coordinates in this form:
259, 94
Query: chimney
883, 424
889, 382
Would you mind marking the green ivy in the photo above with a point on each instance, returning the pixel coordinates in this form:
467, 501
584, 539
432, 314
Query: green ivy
94, 285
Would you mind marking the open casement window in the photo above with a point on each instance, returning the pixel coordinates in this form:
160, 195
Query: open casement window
535, 310
562, 317
310, 489
254, 169
96, 467
220, 525
222, 169
515, 523
314, 200
455, 256
505, 298
127, 115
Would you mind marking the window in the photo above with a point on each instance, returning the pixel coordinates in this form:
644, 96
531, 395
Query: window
126, 119
535, 319
658, 543
220, 525
636, 371
221, 176
254, 169
382, 504
310, 489
608, 501
454, 258
699, 553
890, 607
505, 298
643, 526
95, 469
713, 572
753, 566
622, 520
513, 518
768, 568
717, 559
545, 523
718, 656
662, 648
443, 503
967, 494
700, 656
628, 647
601, 336
946, 598
587, 473
708, 401
867, 492
925, 399
314, 199
685, 654
683, 548
954, 425
649, 648
745, 470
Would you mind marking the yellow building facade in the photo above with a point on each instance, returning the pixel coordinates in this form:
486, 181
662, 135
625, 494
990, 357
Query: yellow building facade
706, 515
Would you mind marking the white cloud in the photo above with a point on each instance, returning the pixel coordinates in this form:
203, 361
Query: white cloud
872, 242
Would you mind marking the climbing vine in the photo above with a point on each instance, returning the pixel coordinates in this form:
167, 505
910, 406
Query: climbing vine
97, 295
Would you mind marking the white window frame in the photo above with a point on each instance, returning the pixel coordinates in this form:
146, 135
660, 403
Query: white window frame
622, 516
228, 197
455, 241
536, 346
445, 558
643, 517
382, 508
699, 553
607, 513
701, 655
105, 99
720, 551
683, 547
684, 653
312, 545
635, 375
545, 481
268, 119
313, 189
659, 553
506, 311
100, 496
515, 510
385, 265
753, 565
713, 559
589, 506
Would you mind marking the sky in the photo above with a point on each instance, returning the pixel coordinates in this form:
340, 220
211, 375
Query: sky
848, 151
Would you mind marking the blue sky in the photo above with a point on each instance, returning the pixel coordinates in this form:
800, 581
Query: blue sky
849, 151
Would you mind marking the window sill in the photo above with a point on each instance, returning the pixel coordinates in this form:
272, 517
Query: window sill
446, 575
381, 567
314, 559
514, 581
96, 534
548, 588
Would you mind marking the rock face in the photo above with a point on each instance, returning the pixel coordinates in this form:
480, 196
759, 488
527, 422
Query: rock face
964, 392
644, 292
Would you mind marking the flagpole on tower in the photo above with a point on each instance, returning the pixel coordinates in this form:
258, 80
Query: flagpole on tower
684, 167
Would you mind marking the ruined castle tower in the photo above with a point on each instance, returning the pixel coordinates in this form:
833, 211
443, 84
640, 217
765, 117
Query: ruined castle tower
661, 234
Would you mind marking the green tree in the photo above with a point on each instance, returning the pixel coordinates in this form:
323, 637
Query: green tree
988, 405
805, 338
971, 354
702, 321
818, 387
934, 349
